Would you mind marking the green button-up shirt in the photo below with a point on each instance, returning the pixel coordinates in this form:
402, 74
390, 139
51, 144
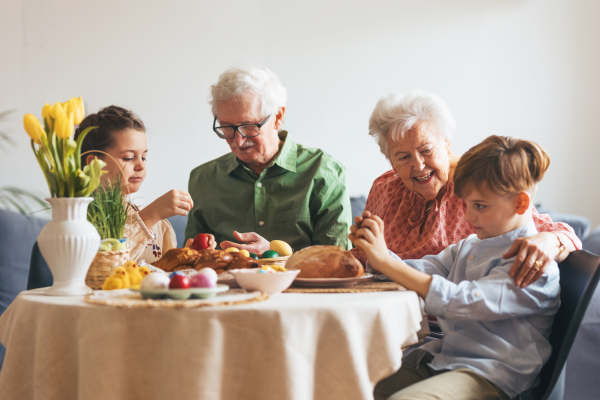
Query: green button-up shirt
300, 199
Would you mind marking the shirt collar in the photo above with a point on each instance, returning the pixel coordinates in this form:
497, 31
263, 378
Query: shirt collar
286, 158
231, 163
526, 230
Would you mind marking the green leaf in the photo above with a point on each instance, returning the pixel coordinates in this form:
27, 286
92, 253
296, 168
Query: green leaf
94, 171
21, 200
80, 138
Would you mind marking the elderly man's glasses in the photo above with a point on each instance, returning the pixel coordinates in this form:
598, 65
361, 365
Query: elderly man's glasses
247, 130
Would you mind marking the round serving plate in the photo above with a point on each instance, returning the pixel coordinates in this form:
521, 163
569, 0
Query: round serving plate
225, 278
329, 282
182, 294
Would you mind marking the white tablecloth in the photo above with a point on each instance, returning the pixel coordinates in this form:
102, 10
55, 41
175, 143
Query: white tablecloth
292, 346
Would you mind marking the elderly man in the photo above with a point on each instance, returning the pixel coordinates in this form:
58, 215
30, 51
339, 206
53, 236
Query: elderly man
268, 187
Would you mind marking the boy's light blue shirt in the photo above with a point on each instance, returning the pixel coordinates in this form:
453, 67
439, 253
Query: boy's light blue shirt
490, 326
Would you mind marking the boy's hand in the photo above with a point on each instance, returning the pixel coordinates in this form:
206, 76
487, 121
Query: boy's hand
367, 235
174, 202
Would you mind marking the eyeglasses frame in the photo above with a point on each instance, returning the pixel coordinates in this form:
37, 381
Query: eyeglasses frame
236, 128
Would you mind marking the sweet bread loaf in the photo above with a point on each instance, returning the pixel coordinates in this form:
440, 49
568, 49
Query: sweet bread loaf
325, 262
219, 260
177, 257
214, 259
240, 261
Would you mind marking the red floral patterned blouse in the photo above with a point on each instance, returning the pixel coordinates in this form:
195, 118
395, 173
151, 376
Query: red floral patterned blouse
403, 212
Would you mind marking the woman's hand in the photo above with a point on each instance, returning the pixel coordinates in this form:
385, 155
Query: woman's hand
367, 236
174, 202
534, 255
254, 242
212, 244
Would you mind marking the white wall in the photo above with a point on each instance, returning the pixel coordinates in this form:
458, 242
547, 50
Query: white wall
527, 68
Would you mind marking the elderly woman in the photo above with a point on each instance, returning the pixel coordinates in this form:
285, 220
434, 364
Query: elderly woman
416, 199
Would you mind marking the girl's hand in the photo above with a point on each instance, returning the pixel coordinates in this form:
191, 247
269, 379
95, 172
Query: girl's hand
212, 244
174, 202
255, 243
367, 235
534, 255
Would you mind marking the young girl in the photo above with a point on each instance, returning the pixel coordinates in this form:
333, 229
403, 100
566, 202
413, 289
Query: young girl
121, 134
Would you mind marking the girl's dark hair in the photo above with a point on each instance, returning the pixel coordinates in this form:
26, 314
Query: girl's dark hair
108, 120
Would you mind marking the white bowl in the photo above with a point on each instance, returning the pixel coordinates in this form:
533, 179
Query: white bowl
270, 283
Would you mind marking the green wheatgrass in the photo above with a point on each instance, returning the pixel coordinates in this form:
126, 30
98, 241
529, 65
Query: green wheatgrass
108, 211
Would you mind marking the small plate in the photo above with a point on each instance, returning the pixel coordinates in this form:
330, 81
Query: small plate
329, 282
232, 283
182, 294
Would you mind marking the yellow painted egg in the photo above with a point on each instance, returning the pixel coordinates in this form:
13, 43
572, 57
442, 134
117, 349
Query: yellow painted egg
245, 252
281, 247
232, 250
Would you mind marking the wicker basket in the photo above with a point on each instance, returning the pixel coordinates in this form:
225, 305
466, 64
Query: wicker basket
103, 265
272, 261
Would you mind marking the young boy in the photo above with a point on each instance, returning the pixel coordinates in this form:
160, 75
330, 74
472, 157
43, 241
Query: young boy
495, 333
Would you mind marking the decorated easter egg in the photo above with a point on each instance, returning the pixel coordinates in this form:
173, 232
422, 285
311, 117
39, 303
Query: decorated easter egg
203, 281
245, 253
210, 272
269, 254
232, 250
175, 273
179, 282
155, 281
253, 255
281, 248
200, 242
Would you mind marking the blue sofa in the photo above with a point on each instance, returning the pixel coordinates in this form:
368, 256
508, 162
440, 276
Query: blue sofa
18, 233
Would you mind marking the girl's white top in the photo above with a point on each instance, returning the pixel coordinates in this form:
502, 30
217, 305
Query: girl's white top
148, 244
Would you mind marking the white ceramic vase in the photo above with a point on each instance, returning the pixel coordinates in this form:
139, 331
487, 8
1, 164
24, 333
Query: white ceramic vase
69, 243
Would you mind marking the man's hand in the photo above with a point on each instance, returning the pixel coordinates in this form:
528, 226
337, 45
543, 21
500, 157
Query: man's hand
212, 244
174, 202
254, 242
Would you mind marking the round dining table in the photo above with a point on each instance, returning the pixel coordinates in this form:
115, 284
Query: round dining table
290, 346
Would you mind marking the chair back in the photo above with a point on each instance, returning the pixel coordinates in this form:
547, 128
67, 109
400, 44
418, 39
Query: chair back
579, 276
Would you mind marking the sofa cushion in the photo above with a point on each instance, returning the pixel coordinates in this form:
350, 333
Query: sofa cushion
592, 242
179, 222
18, 233
358, 206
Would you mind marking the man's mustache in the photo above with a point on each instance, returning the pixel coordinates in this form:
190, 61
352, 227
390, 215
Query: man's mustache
245, 145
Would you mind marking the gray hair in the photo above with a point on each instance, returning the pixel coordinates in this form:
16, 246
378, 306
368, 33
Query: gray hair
259, 82
397, 113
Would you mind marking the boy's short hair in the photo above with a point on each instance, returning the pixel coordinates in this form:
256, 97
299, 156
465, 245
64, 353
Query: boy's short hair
507, 165
108, 120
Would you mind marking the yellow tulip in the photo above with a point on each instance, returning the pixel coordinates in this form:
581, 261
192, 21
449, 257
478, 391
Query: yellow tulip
47, 112
52, 110
63, 123
75, 107
33, 127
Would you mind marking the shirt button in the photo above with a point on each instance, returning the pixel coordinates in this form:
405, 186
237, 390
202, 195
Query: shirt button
261, 223
477, 294
471, 257
259, 184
